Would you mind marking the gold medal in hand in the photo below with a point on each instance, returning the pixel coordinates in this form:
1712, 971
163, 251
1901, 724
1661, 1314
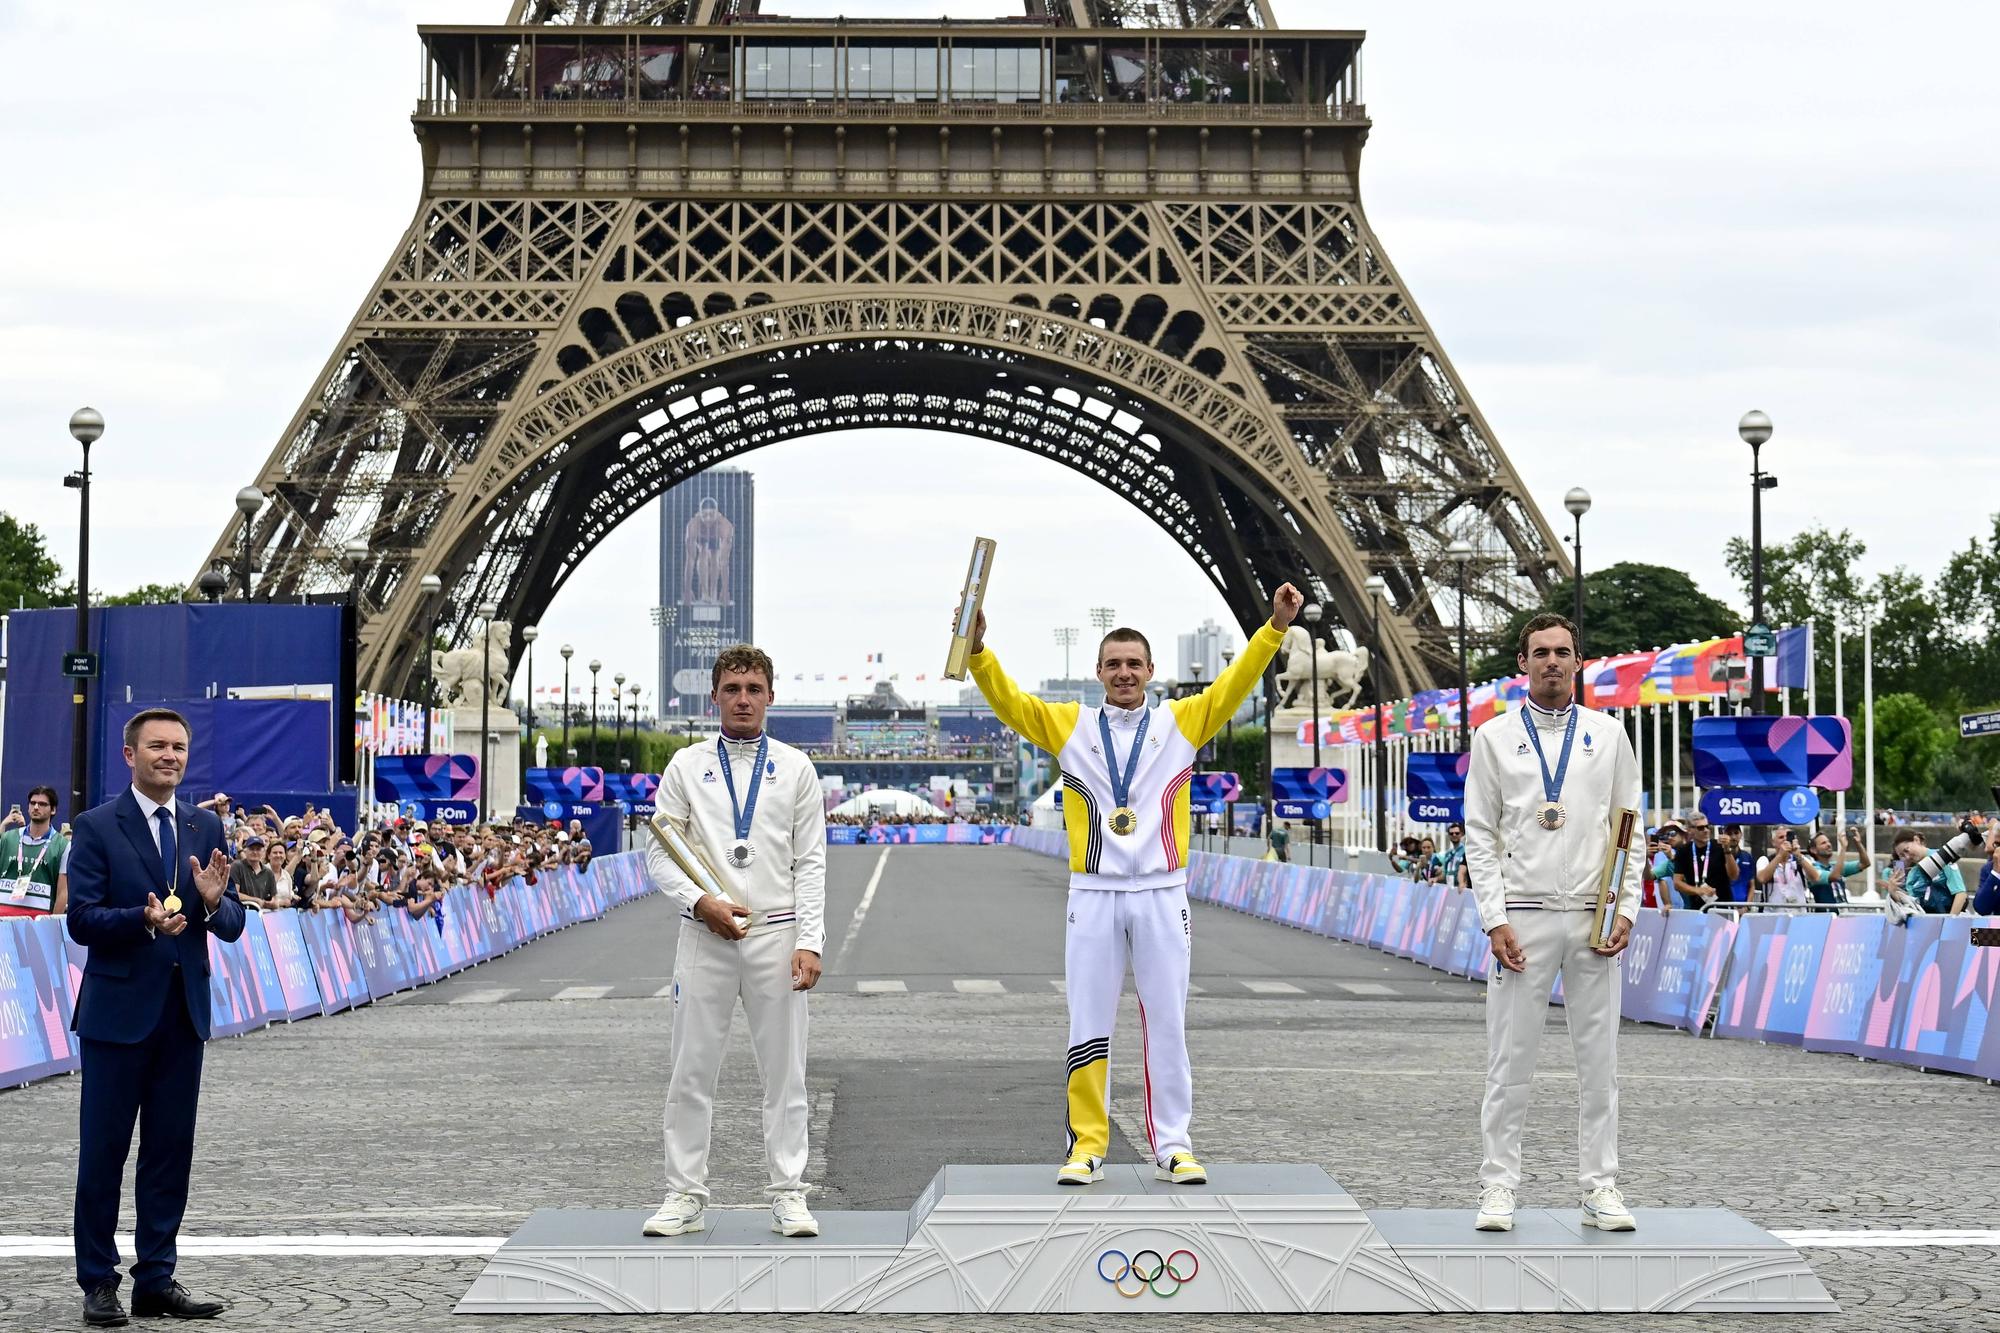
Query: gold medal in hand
171, 904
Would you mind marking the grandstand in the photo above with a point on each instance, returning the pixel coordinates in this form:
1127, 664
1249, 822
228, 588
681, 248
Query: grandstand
881, 740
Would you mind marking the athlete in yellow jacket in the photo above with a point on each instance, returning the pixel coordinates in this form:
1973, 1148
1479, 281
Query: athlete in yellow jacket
1125, 771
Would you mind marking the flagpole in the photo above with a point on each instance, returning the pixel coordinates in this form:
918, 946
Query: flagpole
1868, 713
1658, 818
1638, 720
1674, 796
1840, 708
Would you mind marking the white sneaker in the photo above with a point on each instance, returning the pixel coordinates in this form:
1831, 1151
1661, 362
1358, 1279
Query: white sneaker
1496, 1209
789, 1216
1604, 1208
680, 1214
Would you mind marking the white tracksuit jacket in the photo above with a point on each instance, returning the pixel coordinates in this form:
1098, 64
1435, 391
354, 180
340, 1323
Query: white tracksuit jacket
1515, 861
786, 881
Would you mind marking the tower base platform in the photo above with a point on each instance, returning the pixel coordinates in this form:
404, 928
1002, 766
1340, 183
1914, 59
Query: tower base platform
1255, 1239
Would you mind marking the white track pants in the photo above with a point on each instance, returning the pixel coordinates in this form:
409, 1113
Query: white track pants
1150, 928
1517, 1011
709, 974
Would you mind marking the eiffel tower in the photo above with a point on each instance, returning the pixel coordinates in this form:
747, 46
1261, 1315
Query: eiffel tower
1123, 234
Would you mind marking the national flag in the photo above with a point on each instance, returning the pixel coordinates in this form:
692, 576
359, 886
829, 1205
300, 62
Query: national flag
1788, 669
1658, 685
674, 702
1613, 682
819, 675
922, 676
840, 678
1687, 674
1350, 728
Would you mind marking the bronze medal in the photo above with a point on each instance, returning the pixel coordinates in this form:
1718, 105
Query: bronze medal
1550, 815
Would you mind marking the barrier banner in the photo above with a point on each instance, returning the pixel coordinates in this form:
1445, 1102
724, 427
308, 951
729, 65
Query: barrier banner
1467, 939
256, 943
35, 1040
1444, 928
1677, 970
1848, 971
1642, 957
285, 933
235, 1002
417, 937
1938, 1015
341, 986
1714, 957
369, 947
1772, 969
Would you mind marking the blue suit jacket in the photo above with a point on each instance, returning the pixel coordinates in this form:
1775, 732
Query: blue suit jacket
113, 865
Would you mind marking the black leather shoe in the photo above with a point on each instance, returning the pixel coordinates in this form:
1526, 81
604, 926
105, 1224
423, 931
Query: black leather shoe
101, 1308
173, 1302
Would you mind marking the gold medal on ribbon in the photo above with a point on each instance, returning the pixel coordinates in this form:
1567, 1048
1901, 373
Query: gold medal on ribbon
1550, 815
1124, 820
172, 903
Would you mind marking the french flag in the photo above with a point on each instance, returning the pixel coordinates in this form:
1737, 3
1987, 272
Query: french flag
1787, 668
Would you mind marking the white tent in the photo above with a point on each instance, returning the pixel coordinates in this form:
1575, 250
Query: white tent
1047, 811
886, 802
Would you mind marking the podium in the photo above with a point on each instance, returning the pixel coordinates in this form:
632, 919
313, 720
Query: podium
1255, 1239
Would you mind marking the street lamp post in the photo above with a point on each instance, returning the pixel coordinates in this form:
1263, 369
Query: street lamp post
486, 612
1377, 588
212, 584
617, 715
595, 667
431, 585
633, 691
529, 633
1460, 554
86, 425
1578, 504
1755, 429
1229, 757
248, 501
1312, 612
566, 652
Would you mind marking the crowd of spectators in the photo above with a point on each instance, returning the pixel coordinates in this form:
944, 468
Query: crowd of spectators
307, 862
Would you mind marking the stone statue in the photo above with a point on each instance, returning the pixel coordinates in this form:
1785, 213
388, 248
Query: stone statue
458, 673
1339, 671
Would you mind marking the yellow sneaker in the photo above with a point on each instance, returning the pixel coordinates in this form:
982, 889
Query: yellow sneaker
1080, 1170
1182, 1169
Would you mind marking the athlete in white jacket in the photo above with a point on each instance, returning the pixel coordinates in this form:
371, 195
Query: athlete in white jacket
753, 806
1538, 800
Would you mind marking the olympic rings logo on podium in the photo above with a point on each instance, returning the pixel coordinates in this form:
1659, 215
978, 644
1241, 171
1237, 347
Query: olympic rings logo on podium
1147, 1269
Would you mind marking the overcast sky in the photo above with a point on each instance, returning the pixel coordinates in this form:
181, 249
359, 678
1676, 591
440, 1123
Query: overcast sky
1628, 224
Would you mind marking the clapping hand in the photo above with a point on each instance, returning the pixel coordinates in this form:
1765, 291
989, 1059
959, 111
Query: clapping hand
159, 920
211, 879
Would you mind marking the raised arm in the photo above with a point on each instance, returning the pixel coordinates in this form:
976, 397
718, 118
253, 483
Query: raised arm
1044, 724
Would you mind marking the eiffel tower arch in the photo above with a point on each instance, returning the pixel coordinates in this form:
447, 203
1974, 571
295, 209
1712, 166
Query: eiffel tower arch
1123, 234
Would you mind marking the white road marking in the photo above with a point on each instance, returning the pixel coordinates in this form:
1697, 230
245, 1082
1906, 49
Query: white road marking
977, 986
1060, 986
861, 910
482, 997
1890, 1239
581, 993
1365, 988
1272, 988
334, 1246
882, 987
665, 992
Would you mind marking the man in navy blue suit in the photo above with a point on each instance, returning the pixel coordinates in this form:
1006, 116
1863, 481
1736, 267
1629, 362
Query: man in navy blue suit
148, 884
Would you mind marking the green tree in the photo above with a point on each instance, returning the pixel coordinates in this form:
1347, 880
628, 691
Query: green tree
29, 575
1807, 577
1627, 607
1911, 740
146, 594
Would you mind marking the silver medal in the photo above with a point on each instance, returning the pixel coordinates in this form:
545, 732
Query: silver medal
741, 853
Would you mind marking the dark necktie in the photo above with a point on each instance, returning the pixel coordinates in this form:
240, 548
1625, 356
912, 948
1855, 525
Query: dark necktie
166, 831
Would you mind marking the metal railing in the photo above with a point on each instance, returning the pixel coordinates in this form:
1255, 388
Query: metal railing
491, 108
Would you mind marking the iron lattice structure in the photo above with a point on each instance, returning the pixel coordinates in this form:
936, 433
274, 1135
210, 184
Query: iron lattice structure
654, 236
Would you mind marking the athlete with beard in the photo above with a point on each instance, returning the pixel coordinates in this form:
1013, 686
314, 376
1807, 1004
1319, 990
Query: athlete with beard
1125, 769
